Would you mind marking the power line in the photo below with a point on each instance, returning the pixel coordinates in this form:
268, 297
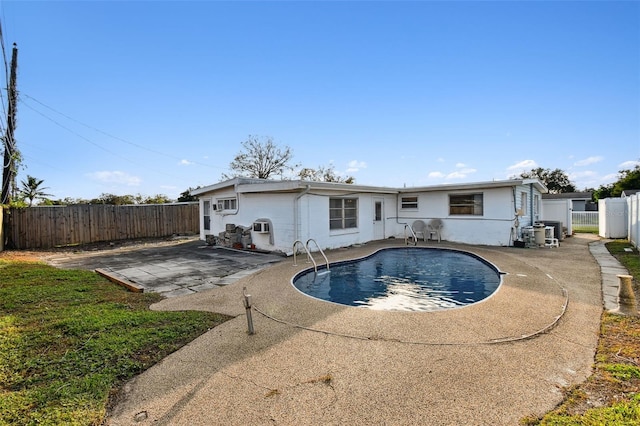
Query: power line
92, 142
112, 136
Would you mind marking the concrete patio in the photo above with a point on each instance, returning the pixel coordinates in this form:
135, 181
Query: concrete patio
313, 362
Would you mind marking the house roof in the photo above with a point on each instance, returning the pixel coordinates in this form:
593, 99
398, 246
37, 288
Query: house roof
586, 196
629, 192
248, 185
478, 185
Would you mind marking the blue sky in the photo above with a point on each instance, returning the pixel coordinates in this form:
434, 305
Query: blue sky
154, 97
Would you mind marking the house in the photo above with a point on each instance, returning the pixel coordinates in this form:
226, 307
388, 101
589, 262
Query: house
580, 201
272, 215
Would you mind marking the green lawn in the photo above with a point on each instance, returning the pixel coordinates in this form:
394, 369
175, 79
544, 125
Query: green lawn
69, 338
611, 396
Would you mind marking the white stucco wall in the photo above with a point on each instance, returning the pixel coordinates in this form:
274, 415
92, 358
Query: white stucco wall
559, 211
304, 214
492, 228
314, 219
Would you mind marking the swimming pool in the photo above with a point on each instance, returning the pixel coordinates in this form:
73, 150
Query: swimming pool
404, 279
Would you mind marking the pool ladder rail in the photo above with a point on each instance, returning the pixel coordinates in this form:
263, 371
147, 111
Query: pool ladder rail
413, 234
309, 256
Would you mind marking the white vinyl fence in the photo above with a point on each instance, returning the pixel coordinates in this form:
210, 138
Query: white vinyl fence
585, 221
633, 204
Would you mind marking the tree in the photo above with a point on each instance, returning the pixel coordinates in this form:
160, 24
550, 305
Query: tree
186, 196
628, 179
322, 174
260, 159
32, 189
129, 199
113, 199
556, 180
156, 199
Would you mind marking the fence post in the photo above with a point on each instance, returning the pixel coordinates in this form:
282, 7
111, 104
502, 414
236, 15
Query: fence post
626, 297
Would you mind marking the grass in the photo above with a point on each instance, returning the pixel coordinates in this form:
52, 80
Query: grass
611, 395
585, 229
69, 339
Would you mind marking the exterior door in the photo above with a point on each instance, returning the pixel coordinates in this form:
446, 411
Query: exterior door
378, 219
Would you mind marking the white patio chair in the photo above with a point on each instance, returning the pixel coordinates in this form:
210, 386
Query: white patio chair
420, 229
434, 226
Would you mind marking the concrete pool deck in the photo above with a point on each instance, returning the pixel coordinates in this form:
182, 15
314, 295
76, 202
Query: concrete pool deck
313, 362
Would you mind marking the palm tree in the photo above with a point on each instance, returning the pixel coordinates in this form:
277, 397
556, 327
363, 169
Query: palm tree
31, 189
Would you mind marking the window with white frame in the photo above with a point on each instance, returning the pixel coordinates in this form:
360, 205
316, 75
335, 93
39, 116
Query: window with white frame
523, 203
409, 203
343, 213
466, 204
227, 204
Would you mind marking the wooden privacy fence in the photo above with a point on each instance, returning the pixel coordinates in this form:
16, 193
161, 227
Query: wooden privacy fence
54, 226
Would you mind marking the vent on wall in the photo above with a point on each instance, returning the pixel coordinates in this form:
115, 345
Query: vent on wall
261, 227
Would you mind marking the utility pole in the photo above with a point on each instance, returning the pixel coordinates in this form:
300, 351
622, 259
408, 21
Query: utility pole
10, 151
9, 163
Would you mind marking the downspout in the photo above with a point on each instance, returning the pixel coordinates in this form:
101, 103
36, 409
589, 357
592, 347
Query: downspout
531, 202
296, 220
398, 210
514, 228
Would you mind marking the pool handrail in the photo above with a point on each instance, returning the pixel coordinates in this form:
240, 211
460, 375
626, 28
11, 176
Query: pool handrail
305, 249
321, 252
406, 239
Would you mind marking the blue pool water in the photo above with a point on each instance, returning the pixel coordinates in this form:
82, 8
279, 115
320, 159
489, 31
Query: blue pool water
404, 279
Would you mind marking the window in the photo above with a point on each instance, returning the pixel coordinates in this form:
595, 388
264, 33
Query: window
466, 204
227, 204
377, 216
409, 202
343, 213
536, 205
206, 214
523, 203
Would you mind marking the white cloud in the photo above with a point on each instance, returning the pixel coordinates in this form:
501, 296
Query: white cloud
524, 166
440, 160
582, 174
115, 177
588, 161
456, 175
629, 164
462, 173
185, 163
460, 165
610, 178
435, 175
355, 165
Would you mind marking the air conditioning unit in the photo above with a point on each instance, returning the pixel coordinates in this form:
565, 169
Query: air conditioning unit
261, 227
